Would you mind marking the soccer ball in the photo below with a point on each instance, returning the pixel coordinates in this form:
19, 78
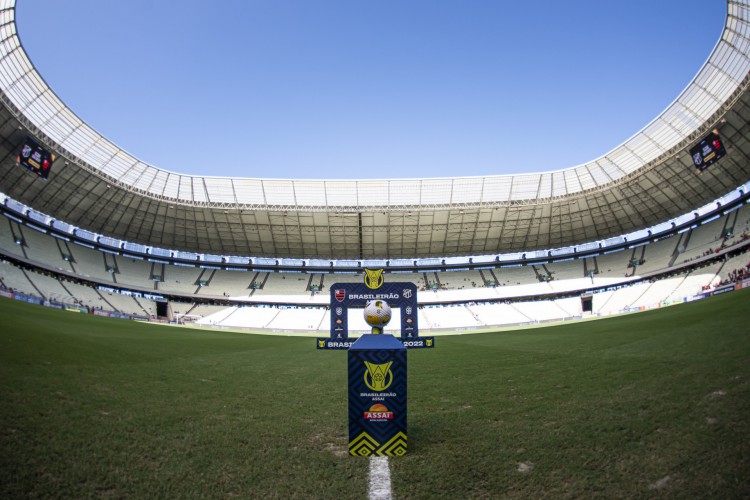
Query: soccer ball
377, 313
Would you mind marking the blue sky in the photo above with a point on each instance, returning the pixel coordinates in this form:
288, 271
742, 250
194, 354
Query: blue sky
355, 89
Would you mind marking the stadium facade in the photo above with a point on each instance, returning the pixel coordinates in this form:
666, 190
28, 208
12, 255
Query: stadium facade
650, 178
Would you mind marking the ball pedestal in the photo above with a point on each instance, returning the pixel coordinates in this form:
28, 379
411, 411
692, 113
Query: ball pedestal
377, 396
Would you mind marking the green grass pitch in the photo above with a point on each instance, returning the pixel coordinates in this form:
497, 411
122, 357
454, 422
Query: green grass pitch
650, 404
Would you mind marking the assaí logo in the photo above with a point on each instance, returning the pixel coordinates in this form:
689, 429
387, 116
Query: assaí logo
378, 413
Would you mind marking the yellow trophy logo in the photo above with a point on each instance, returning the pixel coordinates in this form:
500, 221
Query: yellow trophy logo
374, 278
378, 377
429, 342
321, 343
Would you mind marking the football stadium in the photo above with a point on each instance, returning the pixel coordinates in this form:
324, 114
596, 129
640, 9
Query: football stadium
571, 333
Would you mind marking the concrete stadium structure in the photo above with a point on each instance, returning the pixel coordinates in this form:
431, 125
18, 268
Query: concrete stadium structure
105, 218
69, 272
99, 187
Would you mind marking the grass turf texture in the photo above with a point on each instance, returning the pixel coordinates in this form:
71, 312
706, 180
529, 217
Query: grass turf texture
647, 404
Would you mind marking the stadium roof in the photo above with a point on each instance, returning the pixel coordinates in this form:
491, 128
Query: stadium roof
648, 179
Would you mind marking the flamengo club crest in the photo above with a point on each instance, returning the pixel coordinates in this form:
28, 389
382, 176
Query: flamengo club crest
340, 294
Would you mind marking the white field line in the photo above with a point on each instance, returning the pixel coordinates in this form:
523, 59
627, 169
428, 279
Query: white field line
380, 479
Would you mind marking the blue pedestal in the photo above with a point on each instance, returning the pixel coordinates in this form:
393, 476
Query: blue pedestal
377, 396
